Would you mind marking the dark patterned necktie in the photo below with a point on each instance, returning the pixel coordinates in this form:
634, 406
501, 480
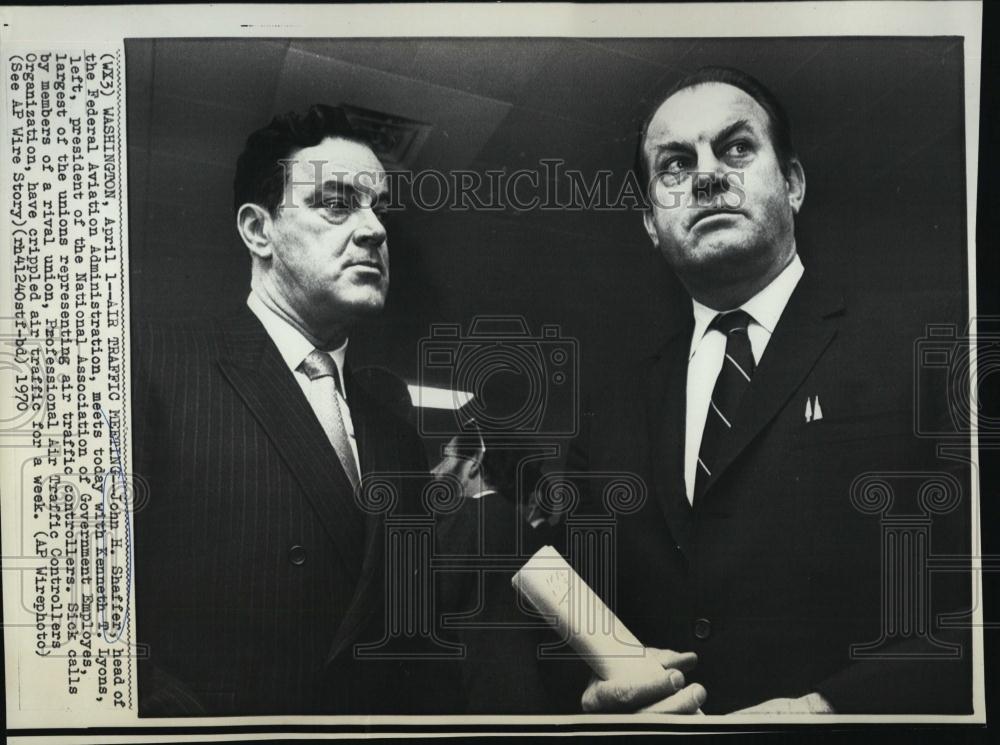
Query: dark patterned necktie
324, 391
733, 381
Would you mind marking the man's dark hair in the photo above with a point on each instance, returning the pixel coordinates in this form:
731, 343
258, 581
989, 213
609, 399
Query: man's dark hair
779, 126
501, 462
260, 177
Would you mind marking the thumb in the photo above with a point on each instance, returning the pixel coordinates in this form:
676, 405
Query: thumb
668, 658
686, 701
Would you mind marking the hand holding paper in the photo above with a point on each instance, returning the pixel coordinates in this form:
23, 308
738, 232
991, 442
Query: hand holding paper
628, 676
662, 691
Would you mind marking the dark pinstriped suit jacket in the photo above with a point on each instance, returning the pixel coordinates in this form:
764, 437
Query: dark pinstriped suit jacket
256, 573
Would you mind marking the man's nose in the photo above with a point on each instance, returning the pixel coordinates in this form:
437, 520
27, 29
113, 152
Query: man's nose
711, 179
370, 231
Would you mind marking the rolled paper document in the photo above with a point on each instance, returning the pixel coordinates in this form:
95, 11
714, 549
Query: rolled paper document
555, 590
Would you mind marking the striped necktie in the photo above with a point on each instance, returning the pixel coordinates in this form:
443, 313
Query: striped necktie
324, 390
733, 381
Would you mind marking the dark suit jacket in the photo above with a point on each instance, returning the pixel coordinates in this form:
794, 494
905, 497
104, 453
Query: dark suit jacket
774, 574
490, 539
256, 571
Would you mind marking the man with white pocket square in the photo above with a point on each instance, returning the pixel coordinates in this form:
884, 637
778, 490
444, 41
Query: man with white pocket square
759, 429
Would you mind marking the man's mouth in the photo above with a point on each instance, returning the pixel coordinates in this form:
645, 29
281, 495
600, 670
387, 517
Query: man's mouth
368, 264
711, 212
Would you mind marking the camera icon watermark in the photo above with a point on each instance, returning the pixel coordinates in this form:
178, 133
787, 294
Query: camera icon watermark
950, 367
536, 375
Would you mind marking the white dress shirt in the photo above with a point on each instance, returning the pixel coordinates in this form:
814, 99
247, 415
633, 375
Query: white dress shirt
708, 349
294, 348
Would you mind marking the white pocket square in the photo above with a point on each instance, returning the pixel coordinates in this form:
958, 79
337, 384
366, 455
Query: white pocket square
814, 412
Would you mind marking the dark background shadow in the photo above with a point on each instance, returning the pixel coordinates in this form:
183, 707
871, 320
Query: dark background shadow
878, 124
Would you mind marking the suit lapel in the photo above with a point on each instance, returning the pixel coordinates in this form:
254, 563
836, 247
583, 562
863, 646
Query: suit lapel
807, 326
666, 397
255, 369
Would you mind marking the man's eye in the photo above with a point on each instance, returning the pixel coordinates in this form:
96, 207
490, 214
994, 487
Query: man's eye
335, 210
738, 149
677, 165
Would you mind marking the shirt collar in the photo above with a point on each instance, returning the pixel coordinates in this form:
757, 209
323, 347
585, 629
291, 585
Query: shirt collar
292, 345
765, 308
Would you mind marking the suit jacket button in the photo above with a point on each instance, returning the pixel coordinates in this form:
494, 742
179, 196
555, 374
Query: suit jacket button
702, 629
297, 555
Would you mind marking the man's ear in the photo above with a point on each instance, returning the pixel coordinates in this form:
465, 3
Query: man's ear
473, 466
796, 180
650, 225
254, 224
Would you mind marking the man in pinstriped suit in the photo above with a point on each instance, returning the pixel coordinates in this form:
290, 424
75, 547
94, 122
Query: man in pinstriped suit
257, 572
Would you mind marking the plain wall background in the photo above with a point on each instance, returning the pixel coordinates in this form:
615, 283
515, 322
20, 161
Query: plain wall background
878, 124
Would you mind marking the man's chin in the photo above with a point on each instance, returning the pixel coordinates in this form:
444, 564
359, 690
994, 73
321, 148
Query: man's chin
367, 306
721, 261
719, 251
355, 307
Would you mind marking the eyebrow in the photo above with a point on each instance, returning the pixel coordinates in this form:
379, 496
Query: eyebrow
728, 131
345, 189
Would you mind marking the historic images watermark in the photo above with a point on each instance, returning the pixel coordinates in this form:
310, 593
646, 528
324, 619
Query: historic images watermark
551, 186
